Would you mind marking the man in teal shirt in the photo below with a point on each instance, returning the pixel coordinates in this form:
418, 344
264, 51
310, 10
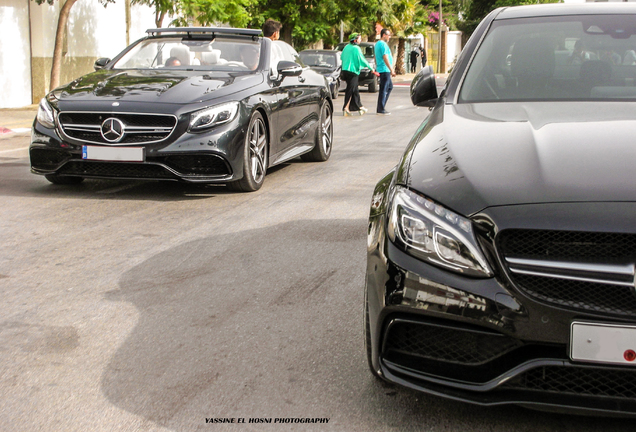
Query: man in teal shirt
352, 61
384, 65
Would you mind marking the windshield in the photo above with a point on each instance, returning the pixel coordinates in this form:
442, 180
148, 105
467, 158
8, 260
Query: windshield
319, 59
555, 58
227, 54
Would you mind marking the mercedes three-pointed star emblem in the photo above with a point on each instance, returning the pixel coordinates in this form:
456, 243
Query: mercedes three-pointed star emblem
113, 130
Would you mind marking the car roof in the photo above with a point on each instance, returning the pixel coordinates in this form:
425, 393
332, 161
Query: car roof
560, 9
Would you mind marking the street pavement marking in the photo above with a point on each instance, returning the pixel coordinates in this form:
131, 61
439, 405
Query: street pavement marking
14, 150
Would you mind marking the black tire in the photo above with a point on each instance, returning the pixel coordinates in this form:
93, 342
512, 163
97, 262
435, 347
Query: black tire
324, 136
255, 156
63, 180
373, 86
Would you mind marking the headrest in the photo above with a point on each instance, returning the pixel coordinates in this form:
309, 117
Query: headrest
182, 53
212, 57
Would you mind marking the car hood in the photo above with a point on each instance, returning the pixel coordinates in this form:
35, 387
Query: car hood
178, 87
498, 154
323, 70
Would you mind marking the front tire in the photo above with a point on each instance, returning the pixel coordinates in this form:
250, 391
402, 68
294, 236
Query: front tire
324, 136
373, 87
63, 180
256, 147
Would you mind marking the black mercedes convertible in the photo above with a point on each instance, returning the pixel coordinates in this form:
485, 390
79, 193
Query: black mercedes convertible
199, 105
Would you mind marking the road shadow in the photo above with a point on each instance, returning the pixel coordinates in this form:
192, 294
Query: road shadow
16, 180
234, 324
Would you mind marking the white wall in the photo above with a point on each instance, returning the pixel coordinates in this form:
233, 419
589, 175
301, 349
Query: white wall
15, 54
453, 46
92, 31
95, 30
142, 18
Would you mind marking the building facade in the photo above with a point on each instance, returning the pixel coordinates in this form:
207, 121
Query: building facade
27, 38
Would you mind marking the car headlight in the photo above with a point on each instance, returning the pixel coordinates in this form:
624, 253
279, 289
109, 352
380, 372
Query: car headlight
214, 116
431, 233
329, 79
46, 114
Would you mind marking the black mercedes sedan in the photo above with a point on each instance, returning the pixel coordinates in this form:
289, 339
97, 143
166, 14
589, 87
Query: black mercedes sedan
199, 105
502, 247
327, 63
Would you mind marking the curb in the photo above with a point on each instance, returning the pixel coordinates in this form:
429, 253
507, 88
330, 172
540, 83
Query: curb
6, 132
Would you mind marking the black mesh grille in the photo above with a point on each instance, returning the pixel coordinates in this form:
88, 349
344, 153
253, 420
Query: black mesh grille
47, 159
110, 169
447, 344
569, 246
617, 383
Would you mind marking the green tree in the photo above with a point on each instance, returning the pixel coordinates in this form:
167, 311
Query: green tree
62, 19
161, 8
211, 12
304, 22
401, 16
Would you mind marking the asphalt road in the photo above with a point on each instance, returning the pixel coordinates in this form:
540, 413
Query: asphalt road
153, 306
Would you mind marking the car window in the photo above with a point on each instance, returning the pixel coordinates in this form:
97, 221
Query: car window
319, 59
231, 54
555, 58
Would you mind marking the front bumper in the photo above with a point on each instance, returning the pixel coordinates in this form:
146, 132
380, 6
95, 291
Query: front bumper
479, 340
212, 157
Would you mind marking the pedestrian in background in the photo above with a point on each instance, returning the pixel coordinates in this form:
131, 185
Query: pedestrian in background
384, 65
423, 54
271, 29
414, 56
352, 61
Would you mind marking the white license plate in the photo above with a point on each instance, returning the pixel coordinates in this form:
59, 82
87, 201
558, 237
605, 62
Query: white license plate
124, 154
603, 343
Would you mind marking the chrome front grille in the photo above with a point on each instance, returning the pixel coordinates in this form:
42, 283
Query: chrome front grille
586, 271
90, 127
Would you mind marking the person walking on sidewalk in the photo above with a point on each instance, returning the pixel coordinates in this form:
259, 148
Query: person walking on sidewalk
414, 55
423, 54
384, 65
352, 62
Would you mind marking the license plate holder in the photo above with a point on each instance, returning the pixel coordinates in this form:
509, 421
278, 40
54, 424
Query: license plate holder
113, 154
603, 343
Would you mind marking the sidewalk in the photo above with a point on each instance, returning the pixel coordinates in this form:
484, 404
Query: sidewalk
17, 121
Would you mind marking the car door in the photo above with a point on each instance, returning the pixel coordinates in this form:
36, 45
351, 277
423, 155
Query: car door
293, 105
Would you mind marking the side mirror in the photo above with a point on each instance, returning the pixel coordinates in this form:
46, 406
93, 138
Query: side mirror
423, 88
100, 63
289, 68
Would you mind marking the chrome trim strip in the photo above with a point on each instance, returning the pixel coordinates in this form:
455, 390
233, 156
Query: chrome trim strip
627, 269
574, 278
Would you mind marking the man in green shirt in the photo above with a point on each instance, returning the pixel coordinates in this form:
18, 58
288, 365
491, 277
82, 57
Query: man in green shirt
352, 61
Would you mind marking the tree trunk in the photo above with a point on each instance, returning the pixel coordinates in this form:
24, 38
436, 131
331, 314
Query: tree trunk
56, 69
399, 61
159, 16
286, 33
